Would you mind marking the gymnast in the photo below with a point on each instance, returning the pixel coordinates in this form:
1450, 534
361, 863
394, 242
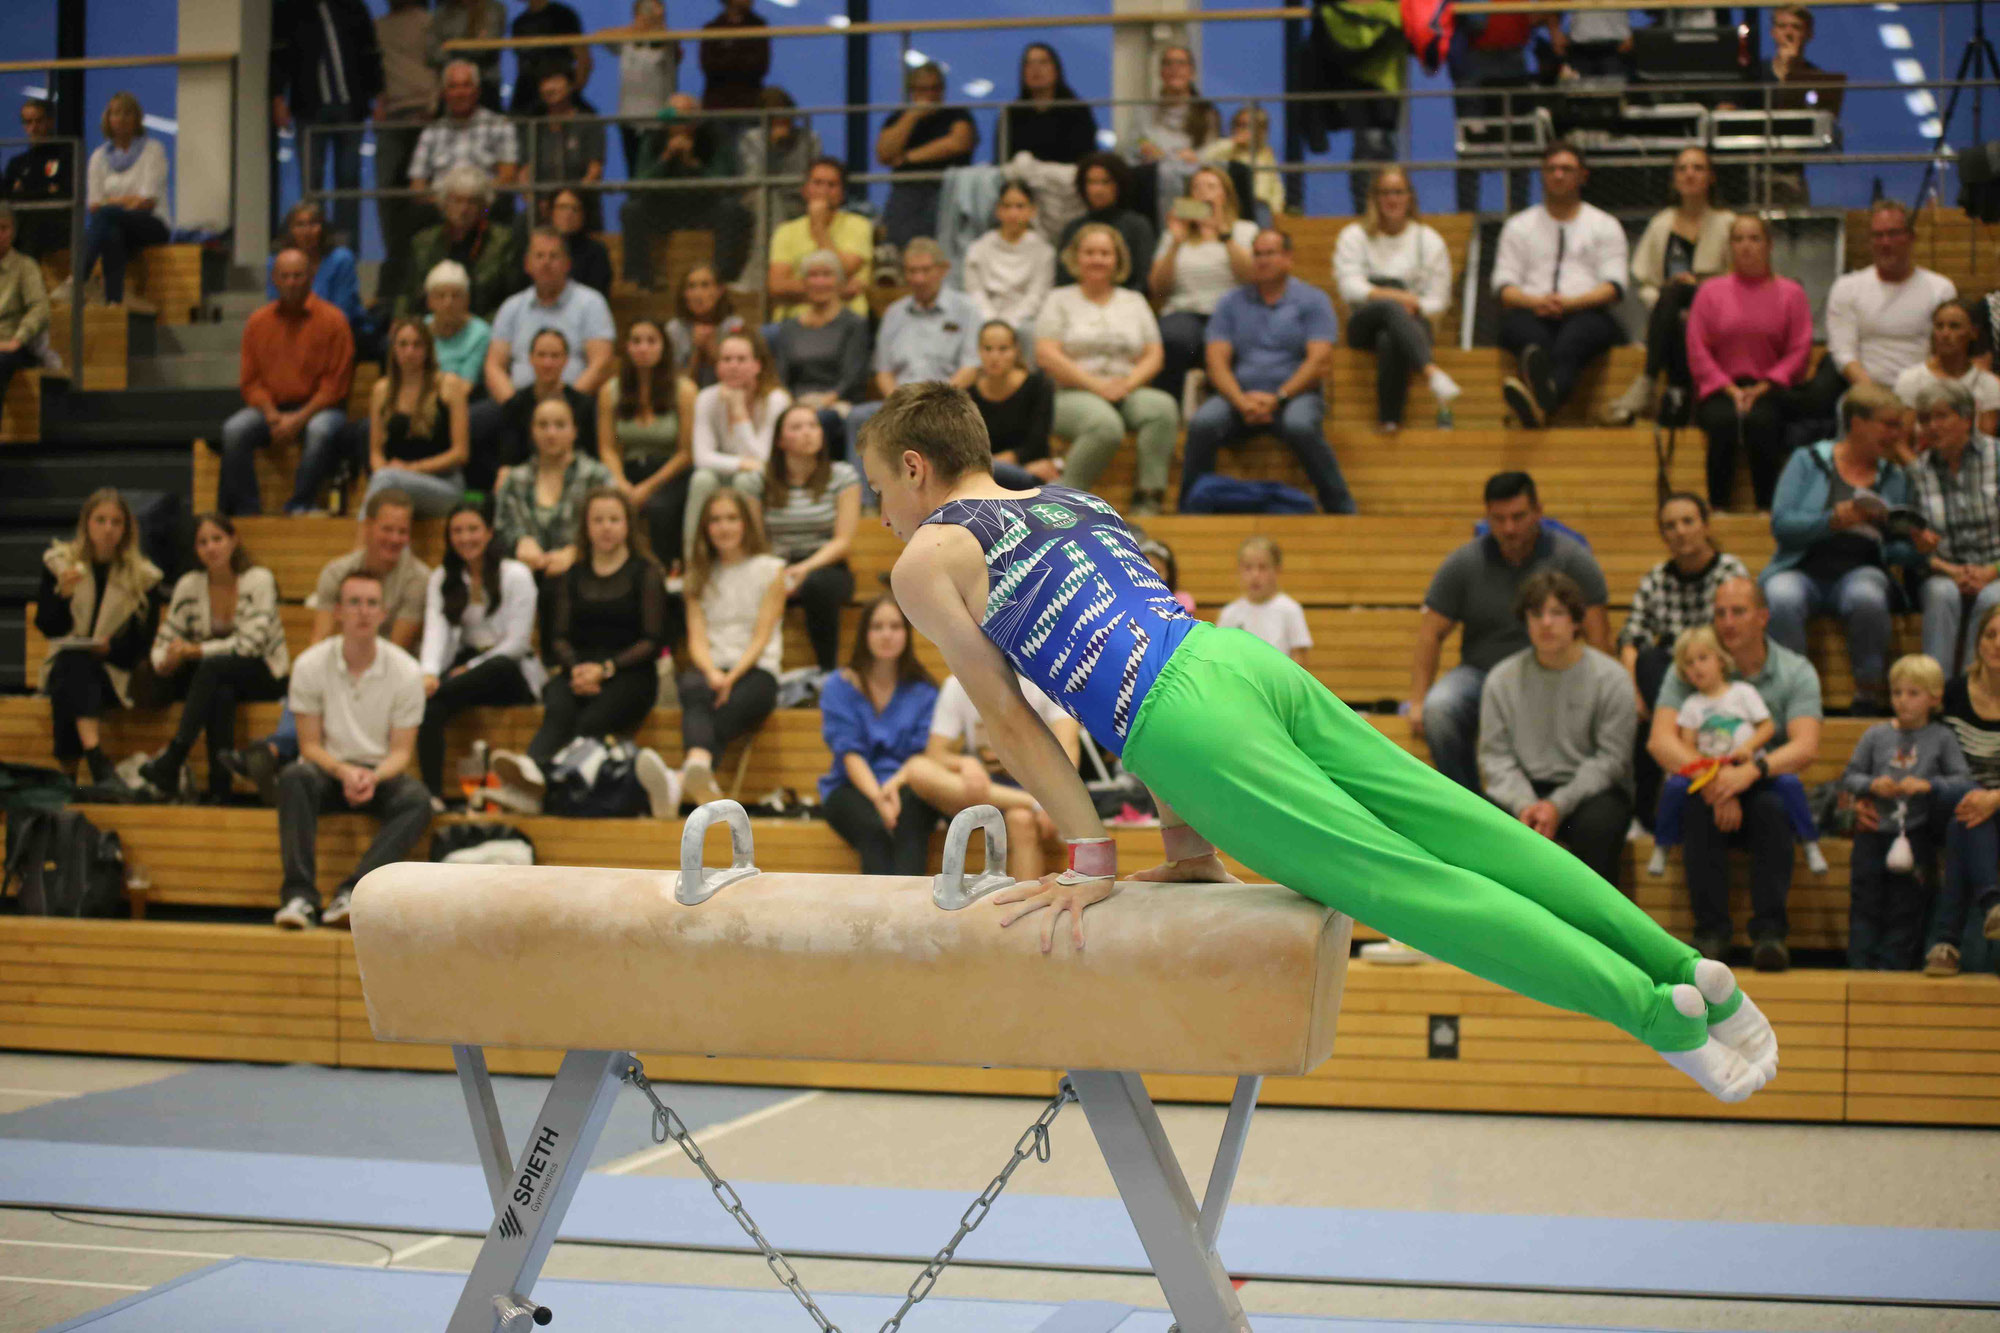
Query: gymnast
1235, 739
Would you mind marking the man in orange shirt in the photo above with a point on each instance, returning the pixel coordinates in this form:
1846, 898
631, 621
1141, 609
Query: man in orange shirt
298, 360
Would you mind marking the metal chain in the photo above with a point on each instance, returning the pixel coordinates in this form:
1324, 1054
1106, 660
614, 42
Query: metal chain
1034, 1142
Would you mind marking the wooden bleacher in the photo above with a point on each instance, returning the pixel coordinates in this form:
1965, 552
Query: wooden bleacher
105, 343
1948, 242
169, 276
21, 409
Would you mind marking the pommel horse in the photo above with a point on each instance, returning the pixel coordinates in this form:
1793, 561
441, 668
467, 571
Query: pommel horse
1242, 980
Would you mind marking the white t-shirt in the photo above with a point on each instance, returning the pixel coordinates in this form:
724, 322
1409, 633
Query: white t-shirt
1886, 326
1539, 254
1416, 256
1723, 722
1010, 282
1983, 385
955, 716
1104, 340
730, 604
357, 715
1280, 622
1201, 270
719, 445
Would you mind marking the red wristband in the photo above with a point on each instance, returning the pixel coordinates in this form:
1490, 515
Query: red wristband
1096, 858
1184, 844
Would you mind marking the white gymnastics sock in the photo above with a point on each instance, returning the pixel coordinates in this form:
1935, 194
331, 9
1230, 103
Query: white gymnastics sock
1443, 387
1724, 1074
1745, 1029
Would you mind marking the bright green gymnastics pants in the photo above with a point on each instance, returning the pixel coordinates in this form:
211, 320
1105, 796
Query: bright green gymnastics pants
1275, 770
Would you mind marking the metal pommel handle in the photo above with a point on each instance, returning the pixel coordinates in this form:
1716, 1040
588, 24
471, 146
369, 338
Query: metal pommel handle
950, 890
697, 882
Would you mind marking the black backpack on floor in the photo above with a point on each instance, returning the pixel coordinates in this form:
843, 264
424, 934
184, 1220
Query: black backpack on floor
61, 864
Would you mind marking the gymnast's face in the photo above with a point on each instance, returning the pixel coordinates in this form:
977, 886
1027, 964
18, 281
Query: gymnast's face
902, 484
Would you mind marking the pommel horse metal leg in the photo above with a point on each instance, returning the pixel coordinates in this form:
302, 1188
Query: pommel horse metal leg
1179, 1238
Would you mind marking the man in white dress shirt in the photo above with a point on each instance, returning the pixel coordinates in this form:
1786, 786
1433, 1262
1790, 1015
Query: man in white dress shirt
1561, 267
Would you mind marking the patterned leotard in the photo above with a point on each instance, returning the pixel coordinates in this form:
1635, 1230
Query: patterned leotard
1072, 603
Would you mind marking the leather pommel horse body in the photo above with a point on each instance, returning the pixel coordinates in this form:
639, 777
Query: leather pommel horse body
1242, 980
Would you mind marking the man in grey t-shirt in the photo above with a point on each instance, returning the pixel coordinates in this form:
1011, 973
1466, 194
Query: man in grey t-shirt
1476, 587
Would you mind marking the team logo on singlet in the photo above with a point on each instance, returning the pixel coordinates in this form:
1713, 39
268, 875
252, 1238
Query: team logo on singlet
1054, 515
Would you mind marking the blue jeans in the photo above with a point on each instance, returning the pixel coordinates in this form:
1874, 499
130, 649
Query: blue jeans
1968, 888
1451, 723
1674, 800
112, 234
1946, 610
434, 493
246, 432
1860, 597
344, 150
1300, 425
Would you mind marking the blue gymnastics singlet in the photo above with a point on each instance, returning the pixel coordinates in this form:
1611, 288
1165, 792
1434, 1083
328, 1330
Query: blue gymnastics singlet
1072, 603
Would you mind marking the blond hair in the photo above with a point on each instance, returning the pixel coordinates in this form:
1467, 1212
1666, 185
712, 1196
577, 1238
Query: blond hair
1124, 267
130, 103
1229, 197
1371, 216
936, 420
1921, 670
1700, 636
1264, 544
702, 555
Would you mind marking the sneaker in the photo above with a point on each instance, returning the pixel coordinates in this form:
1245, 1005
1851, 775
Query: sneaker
1712, 947
698, 784
165, 780
1634, 831
516, 800
1629, 406
1675, 409
1521, 402
1387, 427
1941, 961
257, 765
1534, 368
296, 914
519, 771
1816, 859
1992, 927
336, 911
1657, 866
1391, 953
662, 784
1771, 955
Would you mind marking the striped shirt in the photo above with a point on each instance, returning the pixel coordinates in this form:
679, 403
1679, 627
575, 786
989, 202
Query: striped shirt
1964, 508
804, 523
1978, 737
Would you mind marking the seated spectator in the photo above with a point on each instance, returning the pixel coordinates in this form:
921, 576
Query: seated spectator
126, 195
735, 421
1740, 804
1965, 919
534, 65
733, 68
686, 148
703, 316
1897, 767
552, 301
1098, 341
1683, 247
220, 644
418, 438
1195, 263
1045, 121
1878, 319
461, 337
1833, 556
540, 502
925, 136
812, 505
735, 601
1476, 586
930, 334
1103, 185
298, 364
466, 134
1955, 480
644, 414
1556, 728
563, 147
1749, 337
358, 701
470, 19
1674, 596
24, 305
1954, 333
479, 636
40, 174
94, 607
489, 251
875, 714
821, 349
824, 225
1263, 610
1269, 343
1249, 142
334, 278
1017, 404
1010, 270
604, 640
1394, 272
959, 768
1172, 132
589, 261
1560, 269
785, 152
512, 438
648, 74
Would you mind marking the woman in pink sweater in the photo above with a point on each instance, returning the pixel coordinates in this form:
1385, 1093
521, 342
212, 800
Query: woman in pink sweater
1749, 338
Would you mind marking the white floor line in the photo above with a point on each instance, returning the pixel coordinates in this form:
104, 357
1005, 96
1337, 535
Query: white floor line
37, 1092
625, 1166
411, 1251
65, 1282
118, 1249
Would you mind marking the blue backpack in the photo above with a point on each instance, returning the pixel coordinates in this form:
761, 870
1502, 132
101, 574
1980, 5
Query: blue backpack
1217, 494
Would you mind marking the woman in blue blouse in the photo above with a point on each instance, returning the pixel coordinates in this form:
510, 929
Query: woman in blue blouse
876, 715
336, 280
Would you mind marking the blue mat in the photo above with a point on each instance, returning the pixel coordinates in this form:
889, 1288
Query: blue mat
1747, 1260
269, 1296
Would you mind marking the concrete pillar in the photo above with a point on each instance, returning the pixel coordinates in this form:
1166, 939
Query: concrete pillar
222, 172
1134, 55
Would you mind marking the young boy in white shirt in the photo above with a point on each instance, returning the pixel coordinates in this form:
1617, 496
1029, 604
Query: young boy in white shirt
1262, 609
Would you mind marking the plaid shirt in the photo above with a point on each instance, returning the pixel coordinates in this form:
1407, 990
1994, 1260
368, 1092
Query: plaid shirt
1964, 509
485, 139
1669, 601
